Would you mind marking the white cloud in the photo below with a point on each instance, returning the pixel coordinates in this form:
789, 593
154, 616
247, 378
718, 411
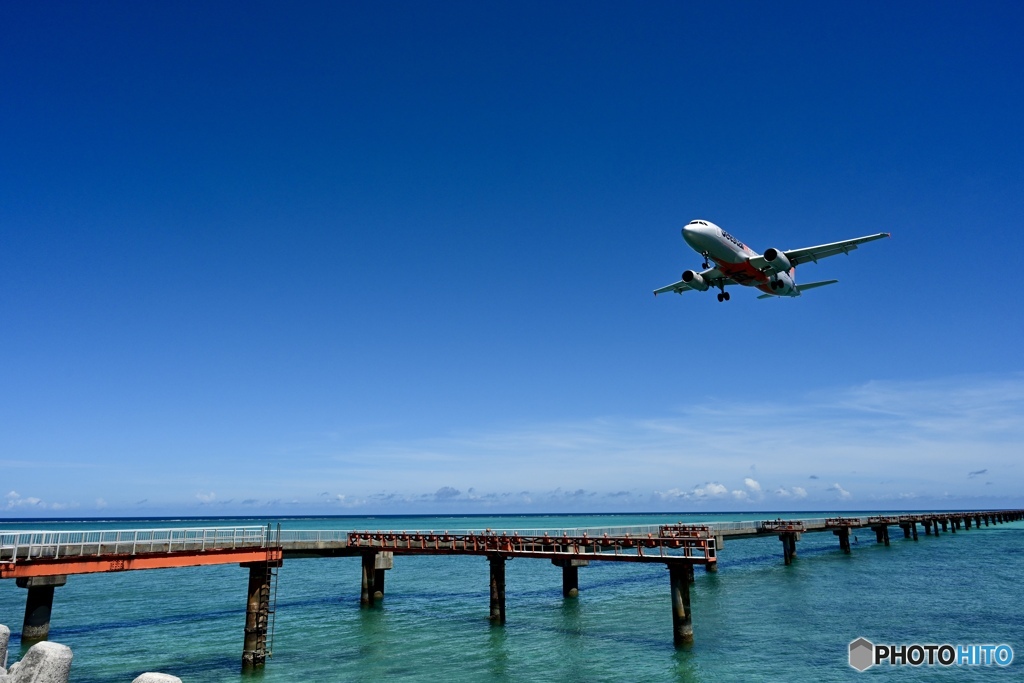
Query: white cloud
843, 493
206, 497
14, 501
895, 427
709, 490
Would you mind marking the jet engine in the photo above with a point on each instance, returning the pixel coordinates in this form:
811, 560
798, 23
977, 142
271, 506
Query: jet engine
695, 281
777, 259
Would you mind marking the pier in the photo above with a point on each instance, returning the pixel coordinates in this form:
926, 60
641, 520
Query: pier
42, 561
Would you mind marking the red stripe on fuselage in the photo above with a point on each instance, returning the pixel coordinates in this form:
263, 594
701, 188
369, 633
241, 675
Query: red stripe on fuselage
743, 273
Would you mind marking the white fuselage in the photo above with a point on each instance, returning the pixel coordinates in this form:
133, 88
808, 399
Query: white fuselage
732, 257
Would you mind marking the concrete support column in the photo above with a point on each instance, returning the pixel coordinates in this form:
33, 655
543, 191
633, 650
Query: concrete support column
967, 522
986, 520
711, 567
382, 562
369, 575
953, 525
570, 575
844, 538
913, 530
257, 614
945, 525
570, 581
788, 546
682, 623
38, 605
497, 563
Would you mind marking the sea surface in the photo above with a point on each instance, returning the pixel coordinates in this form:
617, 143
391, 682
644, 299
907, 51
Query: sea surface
756, 619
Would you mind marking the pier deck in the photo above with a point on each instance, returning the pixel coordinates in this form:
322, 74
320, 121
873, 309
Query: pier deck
42, 560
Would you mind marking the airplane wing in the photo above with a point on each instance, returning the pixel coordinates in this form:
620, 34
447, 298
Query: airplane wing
798, 256
713, 276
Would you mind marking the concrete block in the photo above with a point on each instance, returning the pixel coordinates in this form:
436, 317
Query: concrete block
569, 562
156, 678
384, 560
43, 663
5, 638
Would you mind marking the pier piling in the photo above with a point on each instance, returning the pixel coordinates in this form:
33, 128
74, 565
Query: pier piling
682, 623
382, 562
844, 538
38, 605
788, 546
368, 591
257, 615
497, 563
570, 575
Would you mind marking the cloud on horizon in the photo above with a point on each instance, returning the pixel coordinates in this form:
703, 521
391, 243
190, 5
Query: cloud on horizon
871, 446
888, 438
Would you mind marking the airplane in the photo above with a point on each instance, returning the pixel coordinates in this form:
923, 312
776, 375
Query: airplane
773, 272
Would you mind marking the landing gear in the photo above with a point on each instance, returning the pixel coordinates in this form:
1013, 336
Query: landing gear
778, 284
723, 296
707, 257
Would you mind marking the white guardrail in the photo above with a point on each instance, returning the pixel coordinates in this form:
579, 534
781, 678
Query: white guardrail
25, 545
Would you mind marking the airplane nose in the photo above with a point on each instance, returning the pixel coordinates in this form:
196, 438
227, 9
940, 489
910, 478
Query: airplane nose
693, 235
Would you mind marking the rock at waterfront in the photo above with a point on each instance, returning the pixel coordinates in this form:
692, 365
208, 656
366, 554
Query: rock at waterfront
5, 637
43, 663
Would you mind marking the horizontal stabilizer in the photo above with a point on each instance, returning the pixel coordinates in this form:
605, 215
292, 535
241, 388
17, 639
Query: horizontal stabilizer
802, 288
812, 285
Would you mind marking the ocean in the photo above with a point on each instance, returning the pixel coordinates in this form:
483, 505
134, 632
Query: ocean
755, 619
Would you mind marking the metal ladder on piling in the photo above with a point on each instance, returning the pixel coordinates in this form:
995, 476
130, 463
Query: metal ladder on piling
273, 541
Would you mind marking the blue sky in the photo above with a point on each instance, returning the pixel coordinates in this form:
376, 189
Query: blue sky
398, 257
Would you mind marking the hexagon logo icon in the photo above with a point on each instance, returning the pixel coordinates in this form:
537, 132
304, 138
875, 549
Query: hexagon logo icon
862, 654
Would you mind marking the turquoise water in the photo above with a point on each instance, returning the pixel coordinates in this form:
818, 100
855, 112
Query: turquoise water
756, 619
